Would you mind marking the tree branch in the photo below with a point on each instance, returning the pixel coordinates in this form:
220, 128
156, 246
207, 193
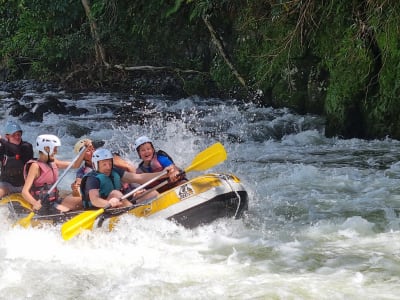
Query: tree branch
99, 50
220, 47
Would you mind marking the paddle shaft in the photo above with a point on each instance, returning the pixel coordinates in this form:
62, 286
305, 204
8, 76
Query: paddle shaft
66, 170
143, 185
151, 190
160, 185
139, 188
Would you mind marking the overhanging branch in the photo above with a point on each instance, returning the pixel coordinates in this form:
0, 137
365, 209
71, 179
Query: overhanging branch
217, 41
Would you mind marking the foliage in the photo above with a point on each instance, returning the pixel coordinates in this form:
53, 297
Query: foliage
383, 113
37, 41
276, 45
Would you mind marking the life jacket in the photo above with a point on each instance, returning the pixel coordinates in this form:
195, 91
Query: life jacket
107, 184
155, 166
13, 158
42, 184
84, 169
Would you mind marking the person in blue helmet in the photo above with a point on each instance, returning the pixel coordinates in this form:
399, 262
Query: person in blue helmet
14, 153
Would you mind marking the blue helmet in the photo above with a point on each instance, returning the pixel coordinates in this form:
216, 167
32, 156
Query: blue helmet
12, 127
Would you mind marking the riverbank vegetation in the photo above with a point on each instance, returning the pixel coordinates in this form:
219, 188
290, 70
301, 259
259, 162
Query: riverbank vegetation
336, 58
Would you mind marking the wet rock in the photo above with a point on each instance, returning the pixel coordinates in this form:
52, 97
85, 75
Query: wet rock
54, 105
74, 111
31, 117
78, 130
27, 99
17, 109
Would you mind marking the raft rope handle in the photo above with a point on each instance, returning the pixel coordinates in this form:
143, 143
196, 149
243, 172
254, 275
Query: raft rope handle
12, 210
225, 180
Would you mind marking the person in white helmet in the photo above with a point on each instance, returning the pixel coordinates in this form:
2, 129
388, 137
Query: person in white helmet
42, 173
14, 153
154, 161
102, 187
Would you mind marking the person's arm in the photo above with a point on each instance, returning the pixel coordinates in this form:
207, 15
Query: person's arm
96, 200
123, 164
75, 187
129, 177
164, 161
34, 172
26, 152
92, 190
62, 164
2, 147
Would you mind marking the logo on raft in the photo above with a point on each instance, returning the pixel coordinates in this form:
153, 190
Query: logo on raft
185, 191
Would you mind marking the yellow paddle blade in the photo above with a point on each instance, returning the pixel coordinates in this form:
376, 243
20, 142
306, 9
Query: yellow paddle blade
208, 158
26, 222
81, 222
16, 198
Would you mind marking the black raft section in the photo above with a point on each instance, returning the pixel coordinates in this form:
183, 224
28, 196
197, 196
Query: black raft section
223, 206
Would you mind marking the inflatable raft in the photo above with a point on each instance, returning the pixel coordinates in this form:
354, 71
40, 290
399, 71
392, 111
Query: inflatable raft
201, 200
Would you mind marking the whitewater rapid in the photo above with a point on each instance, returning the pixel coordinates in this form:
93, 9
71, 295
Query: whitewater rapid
323, 219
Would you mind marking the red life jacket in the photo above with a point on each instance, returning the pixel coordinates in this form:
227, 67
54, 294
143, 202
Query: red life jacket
41, 185
155, 166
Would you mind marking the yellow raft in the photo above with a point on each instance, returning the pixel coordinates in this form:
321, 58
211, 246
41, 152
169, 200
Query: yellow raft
201, 200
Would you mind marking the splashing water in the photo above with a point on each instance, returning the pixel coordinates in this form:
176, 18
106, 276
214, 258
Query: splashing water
323, 219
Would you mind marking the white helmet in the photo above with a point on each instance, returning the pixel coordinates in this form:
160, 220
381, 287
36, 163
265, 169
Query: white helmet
142, 140
47, 140
100, 154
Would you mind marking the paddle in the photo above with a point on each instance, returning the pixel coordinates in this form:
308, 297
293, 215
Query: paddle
25, 222
17, 197
206, 159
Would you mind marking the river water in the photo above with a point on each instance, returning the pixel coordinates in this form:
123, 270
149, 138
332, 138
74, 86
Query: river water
323, 219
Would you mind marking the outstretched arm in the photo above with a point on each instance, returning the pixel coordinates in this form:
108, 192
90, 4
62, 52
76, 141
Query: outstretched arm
62, 164
172, 174
34, 172
123, 164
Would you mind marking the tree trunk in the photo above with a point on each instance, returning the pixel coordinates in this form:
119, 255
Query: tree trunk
99, 50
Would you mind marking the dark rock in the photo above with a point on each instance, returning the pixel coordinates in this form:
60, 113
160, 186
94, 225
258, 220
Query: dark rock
74, 111
31, 117
55, 106
78, 130
17, 109
27, 99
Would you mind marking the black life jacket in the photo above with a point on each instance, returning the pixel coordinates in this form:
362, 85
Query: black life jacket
13, 158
